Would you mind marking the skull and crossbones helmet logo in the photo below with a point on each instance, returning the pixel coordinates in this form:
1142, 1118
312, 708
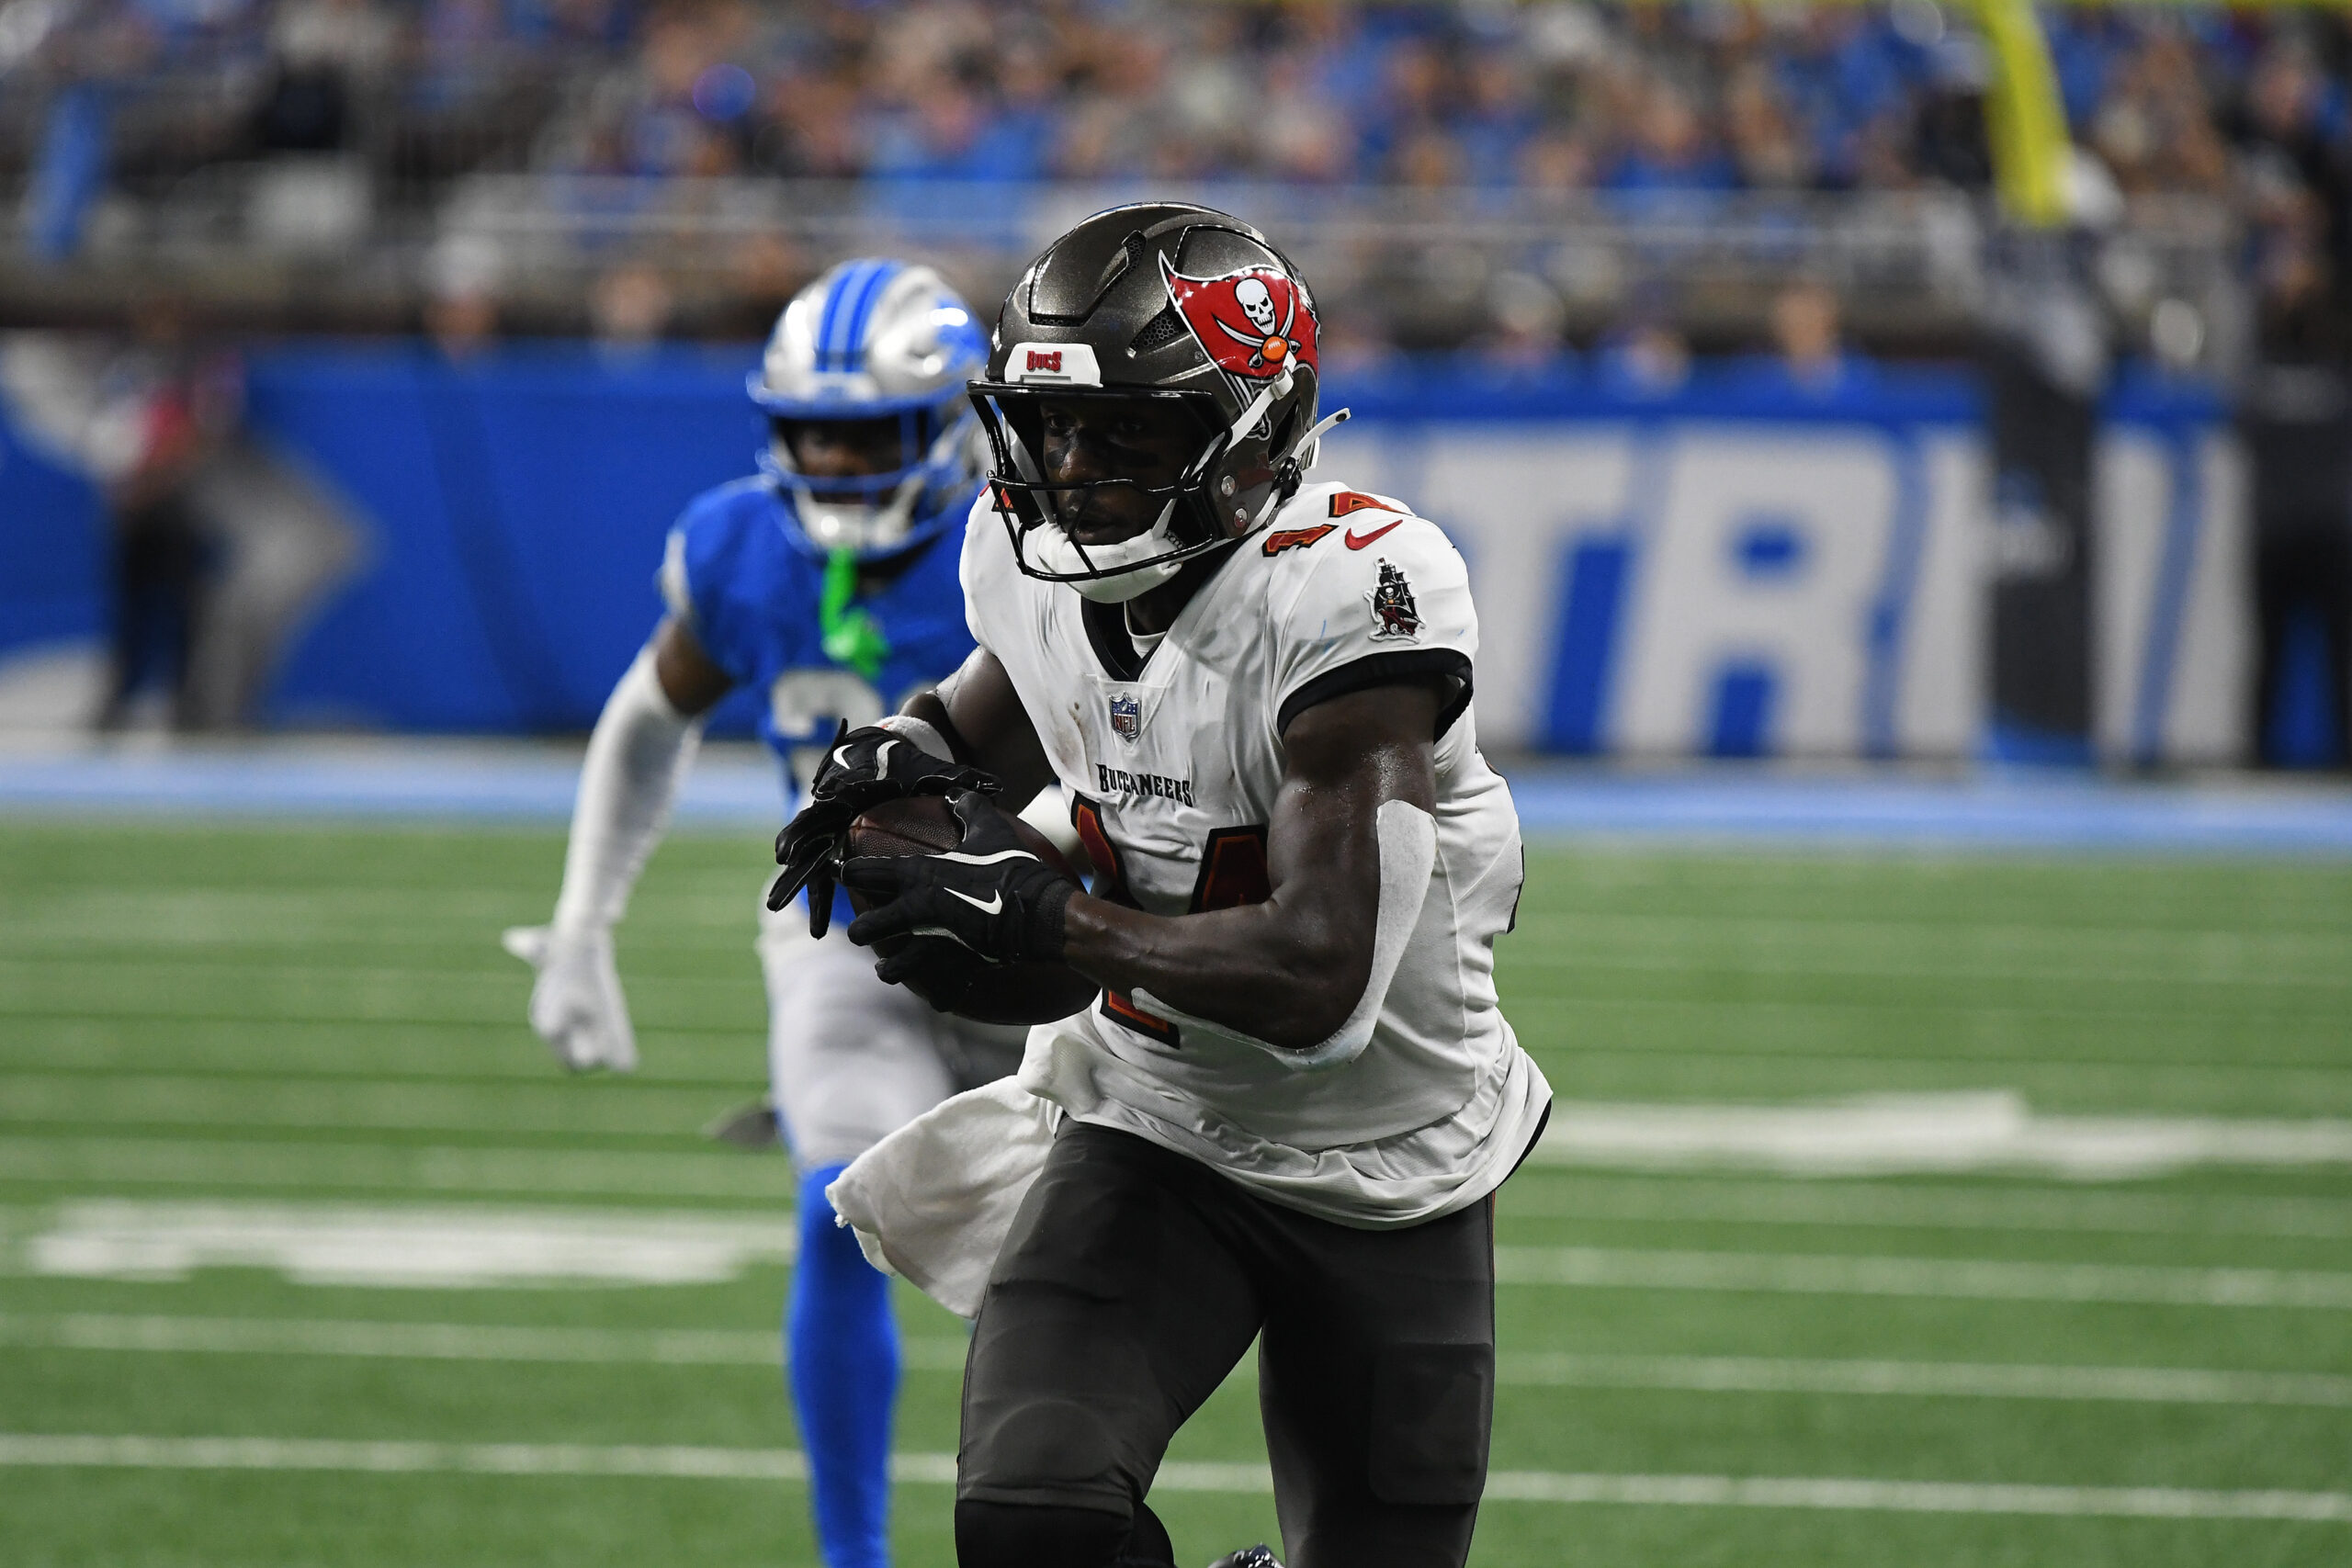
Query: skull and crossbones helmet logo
1256, 323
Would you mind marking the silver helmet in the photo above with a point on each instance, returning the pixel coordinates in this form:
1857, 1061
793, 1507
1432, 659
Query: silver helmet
876, 339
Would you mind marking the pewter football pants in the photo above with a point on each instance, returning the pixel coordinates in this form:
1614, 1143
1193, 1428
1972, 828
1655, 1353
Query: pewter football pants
1132, 1282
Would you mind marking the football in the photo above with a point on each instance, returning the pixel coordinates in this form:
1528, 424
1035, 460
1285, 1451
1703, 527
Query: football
1000, 993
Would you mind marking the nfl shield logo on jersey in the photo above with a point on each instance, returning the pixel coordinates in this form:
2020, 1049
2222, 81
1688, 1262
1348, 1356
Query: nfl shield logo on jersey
1127, 716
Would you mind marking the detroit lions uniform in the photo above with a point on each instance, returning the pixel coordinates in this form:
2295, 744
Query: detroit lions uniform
827, 588
1173, 762
850, 1060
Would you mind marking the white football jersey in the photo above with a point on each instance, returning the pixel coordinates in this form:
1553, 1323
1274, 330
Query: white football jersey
1173, 762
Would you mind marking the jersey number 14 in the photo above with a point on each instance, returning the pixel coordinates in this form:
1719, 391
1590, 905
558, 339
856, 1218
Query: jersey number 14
1233, 872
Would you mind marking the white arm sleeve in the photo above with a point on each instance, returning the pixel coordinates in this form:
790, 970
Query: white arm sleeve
640, 753
1408, 853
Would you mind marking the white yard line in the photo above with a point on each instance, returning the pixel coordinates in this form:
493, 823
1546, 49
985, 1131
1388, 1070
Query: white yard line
1959, 1279
2311, 956
1705, 1375
1836, 1494
1944, 1134
481, 1246
2073, 1207
1956, 965
200, 1164
444, 1247
1931, 1380
1855, 1495
429, 1341
1952, 1132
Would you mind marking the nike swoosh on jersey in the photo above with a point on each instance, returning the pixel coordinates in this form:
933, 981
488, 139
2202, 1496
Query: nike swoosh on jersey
1357, 541
995, 906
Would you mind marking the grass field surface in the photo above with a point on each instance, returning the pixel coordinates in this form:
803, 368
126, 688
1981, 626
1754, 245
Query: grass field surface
310, 1256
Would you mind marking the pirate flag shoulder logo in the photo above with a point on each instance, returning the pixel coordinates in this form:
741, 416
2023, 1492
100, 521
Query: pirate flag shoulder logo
1127, 716
1254, 323
1394, 614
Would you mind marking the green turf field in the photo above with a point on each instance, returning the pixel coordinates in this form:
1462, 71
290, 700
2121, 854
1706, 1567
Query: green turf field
222, 1033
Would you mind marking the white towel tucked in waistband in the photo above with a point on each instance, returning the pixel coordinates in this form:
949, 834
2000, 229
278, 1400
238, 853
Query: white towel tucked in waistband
934, 1200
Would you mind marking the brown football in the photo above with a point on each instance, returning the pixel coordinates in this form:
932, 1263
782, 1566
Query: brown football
1004, 993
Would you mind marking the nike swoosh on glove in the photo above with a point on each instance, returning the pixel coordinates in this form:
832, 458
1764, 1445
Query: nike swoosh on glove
577, 1006
863, 768
987, 893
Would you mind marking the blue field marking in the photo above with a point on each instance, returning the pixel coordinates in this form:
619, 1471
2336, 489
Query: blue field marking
1987, 810
731, 785
736, 788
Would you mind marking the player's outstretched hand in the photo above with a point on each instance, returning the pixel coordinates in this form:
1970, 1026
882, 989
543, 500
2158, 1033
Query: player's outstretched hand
863, 768
577, 1006
987, 893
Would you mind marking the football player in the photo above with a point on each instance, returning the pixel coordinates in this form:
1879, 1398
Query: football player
1285, 1115
829, 584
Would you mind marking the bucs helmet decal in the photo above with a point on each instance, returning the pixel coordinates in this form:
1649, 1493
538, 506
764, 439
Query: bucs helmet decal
1253, 323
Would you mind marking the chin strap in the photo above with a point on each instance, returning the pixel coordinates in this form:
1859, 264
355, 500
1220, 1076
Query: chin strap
1303, 456
851, 638
1309, 446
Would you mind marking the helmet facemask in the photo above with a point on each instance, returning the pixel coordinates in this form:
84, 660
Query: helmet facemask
1227, 489
873, 515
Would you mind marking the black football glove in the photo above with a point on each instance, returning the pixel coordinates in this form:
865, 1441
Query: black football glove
863, 768
987, 893
940, 970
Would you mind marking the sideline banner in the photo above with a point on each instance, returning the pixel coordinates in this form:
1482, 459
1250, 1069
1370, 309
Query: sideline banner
1743, 567
1746, 567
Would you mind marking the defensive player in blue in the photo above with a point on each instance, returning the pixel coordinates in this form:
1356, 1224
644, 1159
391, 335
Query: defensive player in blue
828, 583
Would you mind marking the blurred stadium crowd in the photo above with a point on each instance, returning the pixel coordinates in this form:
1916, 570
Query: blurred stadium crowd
1548, 96
1556, 196
393, 118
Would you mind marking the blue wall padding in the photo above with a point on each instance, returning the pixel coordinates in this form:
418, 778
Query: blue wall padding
521, 506
516, 506
52, 550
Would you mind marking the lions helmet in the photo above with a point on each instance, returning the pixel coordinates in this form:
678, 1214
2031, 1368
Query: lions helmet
1168, 302
875, 339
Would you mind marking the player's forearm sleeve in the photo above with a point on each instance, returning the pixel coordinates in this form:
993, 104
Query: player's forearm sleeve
641, 749
1408, 853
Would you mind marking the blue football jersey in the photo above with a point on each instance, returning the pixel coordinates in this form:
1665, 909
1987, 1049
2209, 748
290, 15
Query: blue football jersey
753, 593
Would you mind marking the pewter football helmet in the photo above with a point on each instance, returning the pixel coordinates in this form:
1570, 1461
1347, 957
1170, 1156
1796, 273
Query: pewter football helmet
876, 339
1170, 302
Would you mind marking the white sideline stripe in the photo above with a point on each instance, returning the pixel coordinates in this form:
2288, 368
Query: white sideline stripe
1874, 1136
1852, 1496
457, 1247
1960, 1380
1537, 1190
1963, 1279
431, 1341
1841, 1493
1616, 943
202, 1163
2072, 1208
1704, 1374
1886, 1135
441, 1248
